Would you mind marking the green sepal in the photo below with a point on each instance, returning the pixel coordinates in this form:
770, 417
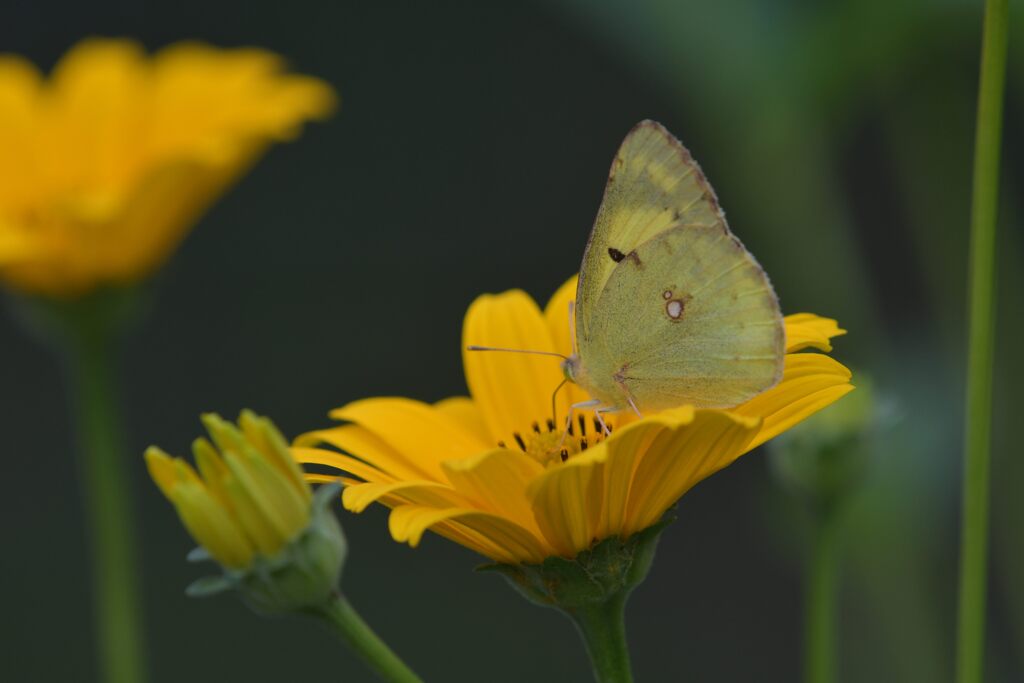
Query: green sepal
199, 554
608, 570
208, 586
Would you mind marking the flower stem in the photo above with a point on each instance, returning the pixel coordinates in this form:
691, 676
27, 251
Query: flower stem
107, 497
603, 628
981, 334
820, 595
346, 623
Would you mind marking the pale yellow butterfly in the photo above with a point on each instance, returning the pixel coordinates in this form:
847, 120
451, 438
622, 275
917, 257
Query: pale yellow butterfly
671, 309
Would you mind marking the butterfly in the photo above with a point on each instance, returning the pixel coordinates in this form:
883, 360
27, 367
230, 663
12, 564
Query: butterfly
670, 309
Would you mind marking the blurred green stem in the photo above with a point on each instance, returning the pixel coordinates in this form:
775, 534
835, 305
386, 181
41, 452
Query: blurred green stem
89, 349
603, 628
820, 598
346, 623
981, 334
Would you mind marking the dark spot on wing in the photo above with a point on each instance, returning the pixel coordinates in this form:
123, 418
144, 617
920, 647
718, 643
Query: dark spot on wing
632, 256
615, 254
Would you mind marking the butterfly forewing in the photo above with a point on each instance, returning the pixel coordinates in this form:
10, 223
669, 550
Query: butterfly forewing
653, 183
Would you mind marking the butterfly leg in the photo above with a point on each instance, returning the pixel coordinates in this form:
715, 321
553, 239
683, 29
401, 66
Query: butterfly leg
599, 416
592, 403
629, 397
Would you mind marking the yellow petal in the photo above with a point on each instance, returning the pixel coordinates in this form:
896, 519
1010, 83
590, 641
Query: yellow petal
421, 434
475, 541
810, 381
693, 445
622, 452
314, 478
96, 105
340, 461
261, 433
211, 526
462, 410
367, 446
212, 469
358, 497
496, 481
567, 503
19, 93
210, 99
262, 527
205, 518
162, 470
512, 389
408, 522
806, 330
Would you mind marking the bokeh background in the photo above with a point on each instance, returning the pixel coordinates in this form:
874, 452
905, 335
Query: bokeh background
469, 155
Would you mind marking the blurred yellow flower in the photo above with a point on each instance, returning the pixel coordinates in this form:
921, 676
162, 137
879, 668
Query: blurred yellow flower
108, 163
494, 472
247, 500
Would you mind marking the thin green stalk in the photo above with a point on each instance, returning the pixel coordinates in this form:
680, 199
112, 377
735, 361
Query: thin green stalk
107, 497
346, 623
820, 599
603, 628
981, 337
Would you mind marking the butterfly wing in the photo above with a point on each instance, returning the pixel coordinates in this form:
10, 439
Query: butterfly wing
691, 318
653, 183
671, 308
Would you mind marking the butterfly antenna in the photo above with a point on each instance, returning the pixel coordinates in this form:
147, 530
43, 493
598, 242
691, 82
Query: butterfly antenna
554, 396
474, 347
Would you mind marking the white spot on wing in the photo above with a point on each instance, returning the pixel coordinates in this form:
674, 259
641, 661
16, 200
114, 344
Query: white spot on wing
674, 308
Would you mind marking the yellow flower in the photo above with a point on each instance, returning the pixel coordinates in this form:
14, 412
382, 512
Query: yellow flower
249, 499
106, 164
251, 510
494, 472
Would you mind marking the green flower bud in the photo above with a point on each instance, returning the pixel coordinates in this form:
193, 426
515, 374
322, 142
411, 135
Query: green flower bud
824, 457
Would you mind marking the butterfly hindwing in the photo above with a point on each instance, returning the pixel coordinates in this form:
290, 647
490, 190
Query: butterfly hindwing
691, 318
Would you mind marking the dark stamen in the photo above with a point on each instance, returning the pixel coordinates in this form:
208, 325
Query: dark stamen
570, 428
564, 454
519, 440
501, 444
583, 425
597, 425
536, 427
583, 444
551, 425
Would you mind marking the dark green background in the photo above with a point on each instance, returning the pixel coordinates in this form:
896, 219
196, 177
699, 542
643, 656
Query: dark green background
469, 155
